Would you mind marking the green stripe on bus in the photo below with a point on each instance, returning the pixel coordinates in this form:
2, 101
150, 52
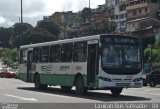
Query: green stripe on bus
58, 79
22, 76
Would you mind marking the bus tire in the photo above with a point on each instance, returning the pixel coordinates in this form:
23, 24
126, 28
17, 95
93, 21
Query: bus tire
66, 88
79, 85
37, 83
116, 91
152, 83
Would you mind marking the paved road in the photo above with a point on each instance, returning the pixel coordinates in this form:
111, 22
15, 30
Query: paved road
17, 91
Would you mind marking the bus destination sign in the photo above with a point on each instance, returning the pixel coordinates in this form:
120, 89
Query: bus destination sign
120, 40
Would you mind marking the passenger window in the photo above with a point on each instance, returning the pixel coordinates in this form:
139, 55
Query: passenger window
23, 56
44, 54
156, 72
55, 53
80, 51
67, 52
36, 55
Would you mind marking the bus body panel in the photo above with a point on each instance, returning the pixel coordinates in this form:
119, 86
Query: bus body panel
128, 81
57, 73
64, 73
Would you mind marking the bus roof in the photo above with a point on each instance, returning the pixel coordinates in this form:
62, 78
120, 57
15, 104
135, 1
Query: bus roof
93, 37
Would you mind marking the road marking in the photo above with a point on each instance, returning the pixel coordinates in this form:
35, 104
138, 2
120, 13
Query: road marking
22, 98
144, 93
151, 90
56, 95
1, 88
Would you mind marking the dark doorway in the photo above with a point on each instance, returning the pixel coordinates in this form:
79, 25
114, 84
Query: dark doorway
92, 64
29, 65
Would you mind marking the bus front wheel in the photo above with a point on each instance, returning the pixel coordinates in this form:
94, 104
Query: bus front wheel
152, 83
79, 84
116, 91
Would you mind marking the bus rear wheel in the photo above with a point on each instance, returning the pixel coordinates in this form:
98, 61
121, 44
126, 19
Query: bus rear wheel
79, 84
37, 83
116, 91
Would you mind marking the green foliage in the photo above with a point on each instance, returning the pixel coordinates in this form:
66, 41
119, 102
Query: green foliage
78, 18
50, 26
9, 56
44, 31
152, 55
112, 27
5, 34
38, 35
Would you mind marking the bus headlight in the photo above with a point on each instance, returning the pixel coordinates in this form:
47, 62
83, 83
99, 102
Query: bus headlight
104, 79
137, 79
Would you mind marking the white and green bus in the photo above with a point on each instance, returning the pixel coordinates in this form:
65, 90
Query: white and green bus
110, 62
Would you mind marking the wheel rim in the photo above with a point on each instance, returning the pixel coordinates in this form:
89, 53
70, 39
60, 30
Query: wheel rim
152, 83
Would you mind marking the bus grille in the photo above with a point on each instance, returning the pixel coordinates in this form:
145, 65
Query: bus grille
123, 84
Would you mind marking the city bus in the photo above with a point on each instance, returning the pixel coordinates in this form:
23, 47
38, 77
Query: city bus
98, 62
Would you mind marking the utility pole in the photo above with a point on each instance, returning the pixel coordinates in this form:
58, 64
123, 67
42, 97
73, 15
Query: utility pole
89, 4
21, 29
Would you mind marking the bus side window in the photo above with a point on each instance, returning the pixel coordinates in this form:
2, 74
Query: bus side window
80, 51
66, 52
55, 53
36, 55
23, 56
44, 54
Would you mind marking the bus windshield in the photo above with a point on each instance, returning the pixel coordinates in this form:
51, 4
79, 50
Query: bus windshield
120, 56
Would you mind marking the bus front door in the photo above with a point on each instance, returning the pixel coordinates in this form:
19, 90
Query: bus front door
29, 65
92, 62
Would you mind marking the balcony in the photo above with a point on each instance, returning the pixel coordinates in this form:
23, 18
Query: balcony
141, 5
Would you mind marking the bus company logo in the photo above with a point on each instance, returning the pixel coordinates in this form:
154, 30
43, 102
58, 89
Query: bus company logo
129, 77
33, 67
47, 69
64, 68
78, 67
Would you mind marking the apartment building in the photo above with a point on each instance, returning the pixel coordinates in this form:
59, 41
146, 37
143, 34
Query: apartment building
61, 18
141, 16
120, 17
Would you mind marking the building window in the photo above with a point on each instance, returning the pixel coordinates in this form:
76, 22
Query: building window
140, 11
134, 12
146, 10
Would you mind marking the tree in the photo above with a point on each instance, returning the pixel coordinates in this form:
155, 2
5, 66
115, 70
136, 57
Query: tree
112, 27
50, 26
14, 40
38, 35
9, 56
86, 13
5, 34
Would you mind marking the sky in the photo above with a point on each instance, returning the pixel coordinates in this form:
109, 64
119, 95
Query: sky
34, 10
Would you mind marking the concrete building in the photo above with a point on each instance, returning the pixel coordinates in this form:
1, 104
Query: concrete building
61, 18
120, 17
141, 16
118, 14
112, 2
